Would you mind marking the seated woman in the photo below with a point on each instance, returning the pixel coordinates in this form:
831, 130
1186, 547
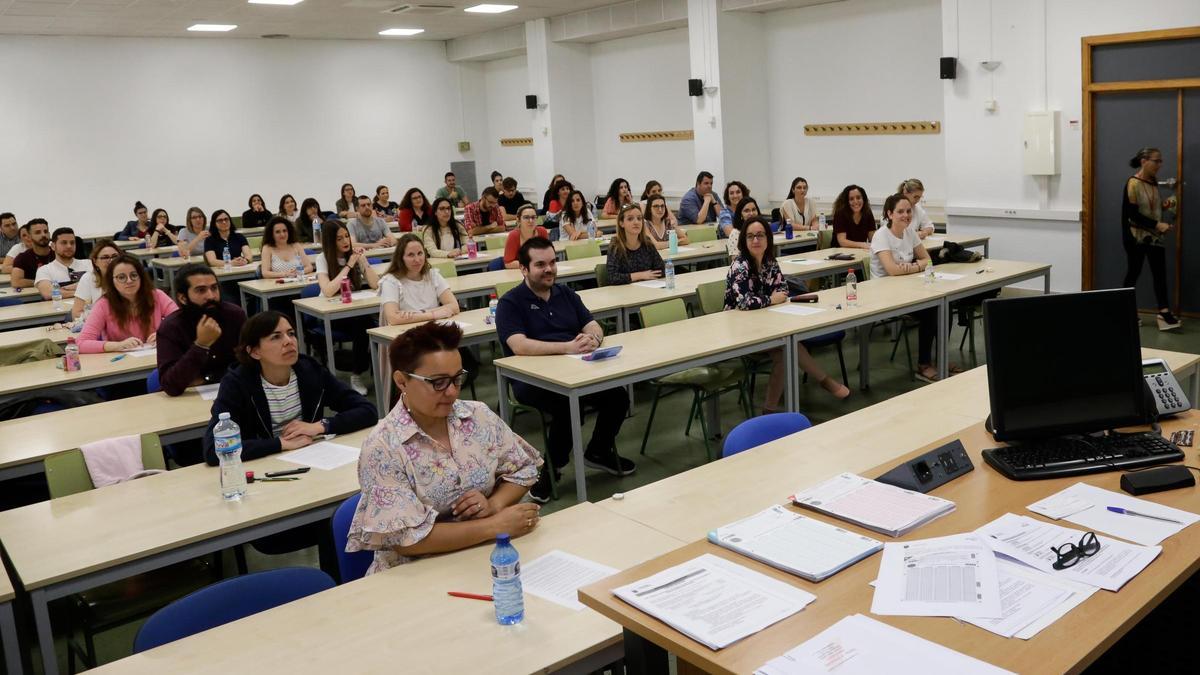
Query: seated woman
443, 236
139, 228
278, 396
654, 189
339, 260
128, 315
754, 281
164, 231
347, 202
562, 192
411, 290
190, 240
309, 219
438, 474
735, 192
747, 210
91, 285
575, 217
896, 250
221, 235
913, 190
287, 208
384, 206
281, 251
631, 255
619, 195
659, 224
798, 209
853, 220
526, 229
551, 192
257, 215
414, 211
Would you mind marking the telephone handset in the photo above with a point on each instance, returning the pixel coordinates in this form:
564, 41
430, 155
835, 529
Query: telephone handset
1168, 394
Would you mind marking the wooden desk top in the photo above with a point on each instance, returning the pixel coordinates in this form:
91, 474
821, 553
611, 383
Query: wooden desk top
402, 618
112, 525
42, 309
1069, 645
46, 374
19, 335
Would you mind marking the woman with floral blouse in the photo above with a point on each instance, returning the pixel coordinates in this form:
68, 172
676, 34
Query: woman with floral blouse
438, 474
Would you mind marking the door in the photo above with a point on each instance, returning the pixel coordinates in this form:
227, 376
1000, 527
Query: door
1188, 192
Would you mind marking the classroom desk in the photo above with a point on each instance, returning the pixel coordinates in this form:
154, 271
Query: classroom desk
5, 280
402, 619
164, 269
1069, 645
29, 294
37, 313
8, 627
114, 535
97, 370
9, 338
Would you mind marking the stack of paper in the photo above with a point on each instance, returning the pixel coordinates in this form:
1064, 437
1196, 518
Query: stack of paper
714, 601
1031, 600
858, 645
876, 506
795, 543
1087, 506
945, 576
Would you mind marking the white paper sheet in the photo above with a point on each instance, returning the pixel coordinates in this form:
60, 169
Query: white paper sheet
795, 543
1025, 596
714, 601
944, 576
651, 283
142, 352
874, 505
558, 576
947, 276
564, 268
1060, 505
208, 392
322, 455
363, 294
859, 645
1028, 541
1145, 531
797, 309
801, 261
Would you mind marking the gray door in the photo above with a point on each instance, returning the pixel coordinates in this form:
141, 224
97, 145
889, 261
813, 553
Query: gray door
1189, 205
1125, 122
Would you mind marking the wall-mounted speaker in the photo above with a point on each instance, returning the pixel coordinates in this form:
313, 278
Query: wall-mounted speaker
949, 67
695, 87
531, 102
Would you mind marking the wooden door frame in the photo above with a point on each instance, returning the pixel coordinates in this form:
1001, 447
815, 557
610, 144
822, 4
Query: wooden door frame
1090, 91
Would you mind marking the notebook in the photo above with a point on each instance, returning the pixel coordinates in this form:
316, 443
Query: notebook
876, 506
795, 543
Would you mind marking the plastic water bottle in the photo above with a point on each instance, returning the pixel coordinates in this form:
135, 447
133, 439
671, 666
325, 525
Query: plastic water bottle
506, 583
821, 221
71, 356
787, 228
299, 270
56, 294
591, 230
929, 275
851, 289
673, 242
347, 296
316, 232
669, 273
493, 303
227, 440
228, 260
472, 248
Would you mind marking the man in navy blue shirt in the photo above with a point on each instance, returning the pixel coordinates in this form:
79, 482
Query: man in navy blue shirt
540, 317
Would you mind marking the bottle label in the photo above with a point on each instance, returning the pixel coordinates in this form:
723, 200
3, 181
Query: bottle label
509, 571
227, 444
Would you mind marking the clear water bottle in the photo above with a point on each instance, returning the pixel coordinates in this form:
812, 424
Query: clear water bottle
591, 230
299, 270
71, 356
673, 242
506, 583
787, 228
472, 248
227, 440
929, 275
228, 260
821, 221
851, 289
56, 294
493, 303
316, 232
669, 273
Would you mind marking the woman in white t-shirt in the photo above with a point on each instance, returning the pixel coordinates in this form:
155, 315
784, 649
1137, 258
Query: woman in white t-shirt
411, 290
91, 284
896, 250
798, 208
913, 189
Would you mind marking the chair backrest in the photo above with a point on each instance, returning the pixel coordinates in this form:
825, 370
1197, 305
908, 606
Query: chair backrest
763, 429
255, 242
236, 220
601, 274
493, 241
825, 238
10, 302
152, 383
496, 264
351, 566
227, 601
866, 268
660, 313
583, 249
504, 287
67, 474
698, 234
446, 267
712, 296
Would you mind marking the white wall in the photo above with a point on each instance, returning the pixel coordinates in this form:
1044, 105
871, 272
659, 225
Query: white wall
93, 124
639, 83
505, 87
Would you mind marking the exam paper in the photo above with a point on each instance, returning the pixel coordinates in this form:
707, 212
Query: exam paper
874, 505
142, 352
859, 645
714, 601
1060, 505
363, 294
1145, 531
558, 576
208, 392
651, 283
795, 543
323, 455
801, 261
1028, 541
1025, 596
796, 309
946, 276
944, 576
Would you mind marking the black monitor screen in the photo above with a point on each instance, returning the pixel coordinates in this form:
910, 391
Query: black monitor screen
1064, 364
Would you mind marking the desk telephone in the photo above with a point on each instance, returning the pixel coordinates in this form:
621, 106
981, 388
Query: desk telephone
1168, 394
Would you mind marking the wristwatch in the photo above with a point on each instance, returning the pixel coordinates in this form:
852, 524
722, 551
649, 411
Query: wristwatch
325, 425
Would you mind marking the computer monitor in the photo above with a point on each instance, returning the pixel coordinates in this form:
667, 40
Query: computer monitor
1064, 364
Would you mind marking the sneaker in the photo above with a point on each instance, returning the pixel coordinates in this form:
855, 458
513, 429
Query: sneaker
1167, 321
356, 383
610, 462
541, 491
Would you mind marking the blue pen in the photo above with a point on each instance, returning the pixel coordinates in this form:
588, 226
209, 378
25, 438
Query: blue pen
116, 358
1117, 509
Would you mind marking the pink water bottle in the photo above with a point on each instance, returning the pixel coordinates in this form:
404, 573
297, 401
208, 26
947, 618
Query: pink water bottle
71, 356
472, 247
346, 295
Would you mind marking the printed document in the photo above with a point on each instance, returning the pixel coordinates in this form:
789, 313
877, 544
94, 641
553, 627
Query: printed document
876, 506
795, 543
558, 576
1138, 529
323, 455
1031, 600
797, 309
944, 576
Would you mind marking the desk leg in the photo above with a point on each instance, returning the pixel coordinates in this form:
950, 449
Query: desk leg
45, 633
8, 634
242, 297
943, 329
864, 357
377, 373
791, 372
300, 331
331, 363
1047, 287
987, 248
502, 396
577, 447
643, 657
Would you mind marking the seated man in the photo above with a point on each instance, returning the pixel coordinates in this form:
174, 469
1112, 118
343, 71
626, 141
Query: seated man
9, 236
196, 344
64, 269
484, 216
368, 230
511, 200
6, 263
25, 265
540, 317
700, 205
451, 191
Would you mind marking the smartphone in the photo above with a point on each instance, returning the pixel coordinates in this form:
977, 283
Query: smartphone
603, 353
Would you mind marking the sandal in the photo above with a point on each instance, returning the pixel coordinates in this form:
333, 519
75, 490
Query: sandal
926, 374
954, 369
839, 390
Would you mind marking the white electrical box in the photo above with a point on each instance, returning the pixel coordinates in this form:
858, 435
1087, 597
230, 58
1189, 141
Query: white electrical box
1039, 152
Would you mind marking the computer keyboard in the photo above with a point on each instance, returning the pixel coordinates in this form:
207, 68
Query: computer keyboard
1076, 455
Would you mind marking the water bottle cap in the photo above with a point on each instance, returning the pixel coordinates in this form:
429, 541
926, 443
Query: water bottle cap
223, 416
502, 538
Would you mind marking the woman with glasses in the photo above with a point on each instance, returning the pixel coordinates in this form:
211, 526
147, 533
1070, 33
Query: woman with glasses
1142, 230
190, 240
438, 474
654, 189
526, 229
660, 223
444, 237
128, 315
631, 255
755, 281
91, 285
279, 396
221, 235
412, 290
160, 220
347, 202
414, 210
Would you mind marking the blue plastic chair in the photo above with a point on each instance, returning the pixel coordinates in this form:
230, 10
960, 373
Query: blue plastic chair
229, 600
763, 429
152, 383
495, 264
10, 302
351, 566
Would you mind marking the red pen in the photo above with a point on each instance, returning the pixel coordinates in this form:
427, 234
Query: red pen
470, 596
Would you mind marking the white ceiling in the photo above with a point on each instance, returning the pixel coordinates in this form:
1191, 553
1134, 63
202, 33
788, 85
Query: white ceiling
323, 19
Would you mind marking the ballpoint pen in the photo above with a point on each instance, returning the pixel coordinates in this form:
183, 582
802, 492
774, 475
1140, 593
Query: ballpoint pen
1117, 509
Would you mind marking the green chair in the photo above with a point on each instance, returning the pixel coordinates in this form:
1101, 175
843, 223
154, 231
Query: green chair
705, 382
584, 249
105, 607
504, 287
825, 238
699, 234
514, 408
712, 296
601, 274
446, 267
255, 242
236, 220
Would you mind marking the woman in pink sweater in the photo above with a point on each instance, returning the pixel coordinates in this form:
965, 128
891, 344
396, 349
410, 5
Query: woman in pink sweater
128, 315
